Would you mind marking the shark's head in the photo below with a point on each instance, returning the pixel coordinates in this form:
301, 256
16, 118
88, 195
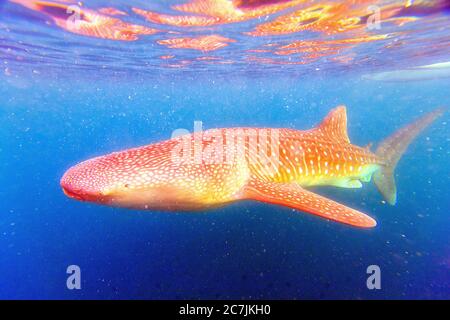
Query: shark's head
143, 178
97, 180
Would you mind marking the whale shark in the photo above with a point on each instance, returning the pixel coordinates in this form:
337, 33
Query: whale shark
212, 168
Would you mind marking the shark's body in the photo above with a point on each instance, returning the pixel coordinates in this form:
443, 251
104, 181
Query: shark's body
215, 167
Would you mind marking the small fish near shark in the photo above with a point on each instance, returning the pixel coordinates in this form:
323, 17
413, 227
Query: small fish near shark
212, 168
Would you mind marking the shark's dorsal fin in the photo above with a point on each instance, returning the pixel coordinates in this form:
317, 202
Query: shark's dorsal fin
334, 126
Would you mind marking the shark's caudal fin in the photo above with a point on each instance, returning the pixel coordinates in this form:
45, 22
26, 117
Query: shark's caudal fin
391, 150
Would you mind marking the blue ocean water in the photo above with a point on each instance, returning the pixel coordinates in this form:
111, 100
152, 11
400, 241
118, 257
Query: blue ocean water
55, 112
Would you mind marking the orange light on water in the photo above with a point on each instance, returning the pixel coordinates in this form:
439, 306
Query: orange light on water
316, 29
202, 43
86, 22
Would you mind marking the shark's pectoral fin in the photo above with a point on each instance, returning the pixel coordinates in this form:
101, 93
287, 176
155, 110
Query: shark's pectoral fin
292, 195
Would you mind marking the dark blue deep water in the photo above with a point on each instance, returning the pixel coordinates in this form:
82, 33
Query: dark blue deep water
55, 113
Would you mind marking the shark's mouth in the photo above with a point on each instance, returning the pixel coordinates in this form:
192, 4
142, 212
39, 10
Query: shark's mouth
73, 195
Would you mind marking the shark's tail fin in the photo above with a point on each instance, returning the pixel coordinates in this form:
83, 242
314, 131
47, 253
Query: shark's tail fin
391, 150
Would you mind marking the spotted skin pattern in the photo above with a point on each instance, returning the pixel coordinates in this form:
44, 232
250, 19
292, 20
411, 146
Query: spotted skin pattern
212, 168
296, 197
